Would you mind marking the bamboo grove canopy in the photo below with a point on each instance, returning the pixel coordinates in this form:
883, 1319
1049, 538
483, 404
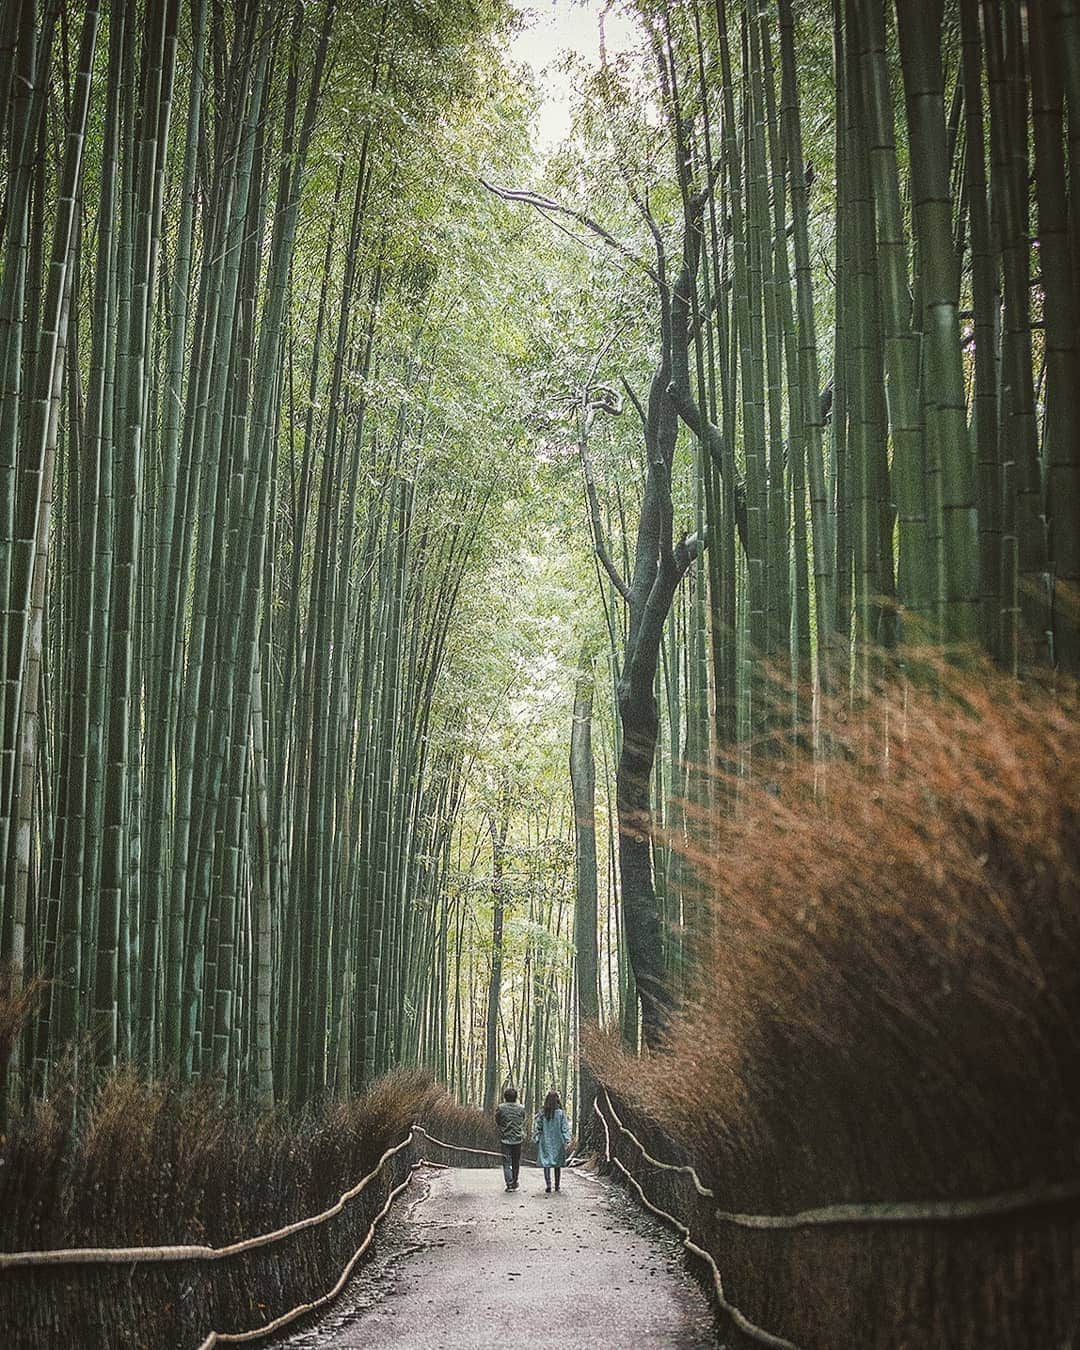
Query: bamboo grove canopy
283, 386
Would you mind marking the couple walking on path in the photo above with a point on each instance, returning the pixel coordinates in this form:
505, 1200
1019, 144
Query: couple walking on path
551, 1135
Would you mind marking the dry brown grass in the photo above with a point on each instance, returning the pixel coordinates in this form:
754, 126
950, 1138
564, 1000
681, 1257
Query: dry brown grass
891, 1011
15, 1008
136, 1163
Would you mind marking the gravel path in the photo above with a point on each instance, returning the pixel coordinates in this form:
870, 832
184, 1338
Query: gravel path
469, 1265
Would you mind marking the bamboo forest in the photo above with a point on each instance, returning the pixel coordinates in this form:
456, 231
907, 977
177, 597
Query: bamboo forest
540, 610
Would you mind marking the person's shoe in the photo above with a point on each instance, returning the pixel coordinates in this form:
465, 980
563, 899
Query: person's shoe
556, 1190
547, 1190
509, 1188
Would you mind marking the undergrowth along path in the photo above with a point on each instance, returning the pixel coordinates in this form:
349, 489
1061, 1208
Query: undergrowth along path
470, 1265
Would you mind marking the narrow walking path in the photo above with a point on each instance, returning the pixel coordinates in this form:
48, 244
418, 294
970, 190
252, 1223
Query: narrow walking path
470, 1265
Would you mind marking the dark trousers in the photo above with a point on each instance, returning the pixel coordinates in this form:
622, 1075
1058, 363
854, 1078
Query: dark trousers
547, 1177
511, 1163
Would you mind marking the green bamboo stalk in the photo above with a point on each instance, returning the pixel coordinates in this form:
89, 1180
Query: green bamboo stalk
809, 379
1061, 432
752, 344
1025, 622
174, 534
775, 278
30, 732
20, 282
35, 466
118, 813
866, 479
950, 481
914, 581
795, 476
986, 303
189, 868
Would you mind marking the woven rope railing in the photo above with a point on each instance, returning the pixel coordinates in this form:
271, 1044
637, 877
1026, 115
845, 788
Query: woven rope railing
160, 1254
305, 1309
456, 1148
900, 1212
881, 1212
478, 1152
737, 1317
122, 1256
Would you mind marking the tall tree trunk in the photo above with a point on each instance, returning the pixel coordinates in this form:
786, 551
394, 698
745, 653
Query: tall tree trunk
583, 787
499, 826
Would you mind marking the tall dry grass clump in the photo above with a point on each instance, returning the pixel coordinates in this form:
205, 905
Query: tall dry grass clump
890, 1011
16, 1004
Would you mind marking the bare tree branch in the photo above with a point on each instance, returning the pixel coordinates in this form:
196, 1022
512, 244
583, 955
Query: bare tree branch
603, 350
545, 204
637, 406
586, 411
599, 546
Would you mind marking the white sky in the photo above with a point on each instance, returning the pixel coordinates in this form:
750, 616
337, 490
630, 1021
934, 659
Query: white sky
552, 28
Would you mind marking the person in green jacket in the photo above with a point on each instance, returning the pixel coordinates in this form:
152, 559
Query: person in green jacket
551, 1133
510, 1122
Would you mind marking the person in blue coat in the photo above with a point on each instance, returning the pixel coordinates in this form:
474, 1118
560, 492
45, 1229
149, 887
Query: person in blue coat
551, 1134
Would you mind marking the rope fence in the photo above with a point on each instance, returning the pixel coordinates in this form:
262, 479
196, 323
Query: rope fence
304, 1309
123, 1256
456, 1148
1016, 1201
738, 1318
129, 1256
901, 1212
477, 1152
